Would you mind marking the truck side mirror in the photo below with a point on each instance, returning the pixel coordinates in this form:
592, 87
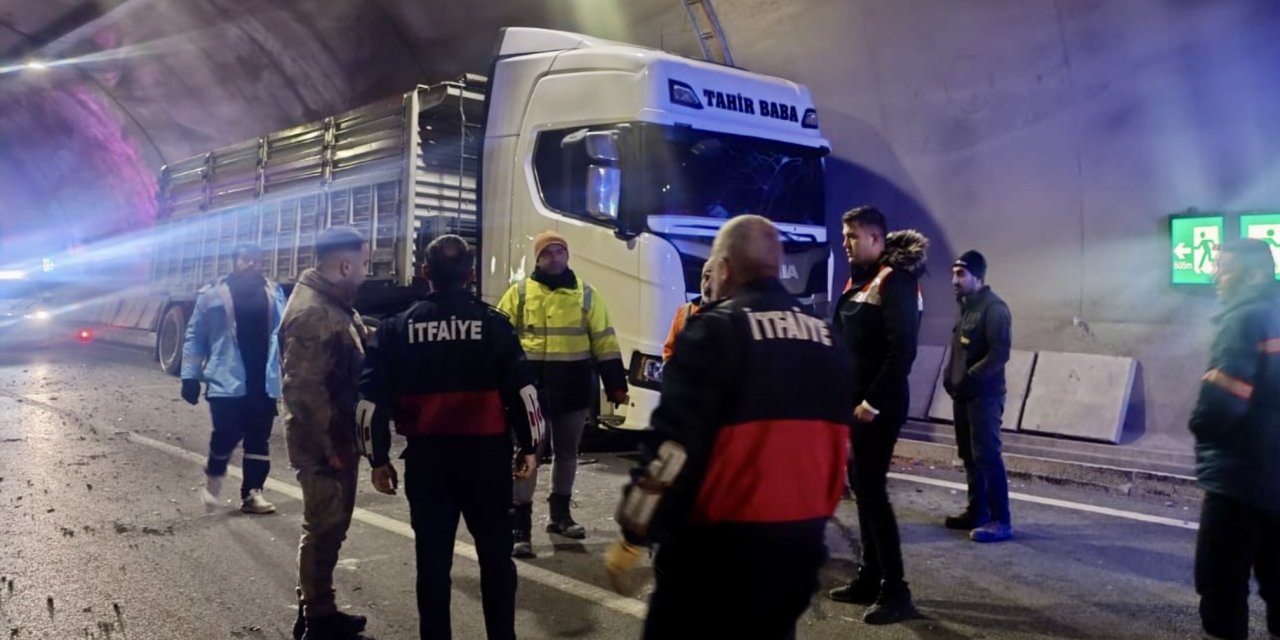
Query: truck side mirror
604, 192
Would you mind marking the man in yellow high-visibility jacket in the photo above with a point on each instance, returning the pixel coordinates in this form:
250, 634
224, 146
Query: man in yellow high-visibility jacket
565, 331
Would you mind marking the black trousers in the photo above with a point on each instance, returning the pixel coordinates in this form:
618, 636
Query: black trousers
1236, 540
730, 585
978, 422
873, 445
247, 418
469, 477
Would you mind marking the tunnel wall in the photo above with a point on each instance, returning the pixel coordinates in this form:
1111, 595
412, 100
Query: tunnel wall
1054, 136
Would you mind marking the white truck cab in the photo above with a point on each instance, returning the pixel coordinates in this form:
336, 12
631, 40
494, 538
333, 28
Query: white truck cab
638, 157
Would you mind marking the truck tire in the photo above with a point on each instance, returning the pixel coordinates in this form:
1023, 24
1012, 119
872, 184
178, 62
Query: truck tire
173, 330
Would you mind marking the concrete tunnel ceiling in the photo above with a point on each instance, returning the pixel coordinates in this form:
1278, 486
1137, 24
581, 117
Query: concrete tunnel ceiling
1056, 135
160, 80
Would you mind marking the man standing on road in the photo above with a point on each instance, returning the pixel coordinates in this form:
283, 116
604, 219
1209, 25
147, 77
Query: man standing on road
879, 318
975, 381
322, 346
231, 346
1236, 424
686, 311
451, 372
756, 401
564, 328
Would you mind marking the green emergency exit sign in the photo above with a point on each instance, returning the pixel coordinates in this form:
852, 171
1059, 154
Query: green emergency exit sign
1194, 246
1264, 227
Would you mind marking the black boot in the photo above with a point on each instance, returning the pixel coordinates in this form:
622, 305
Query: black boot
561, 521
893, 606
351, 622
521, 526
862, 590
336, 626
966, 521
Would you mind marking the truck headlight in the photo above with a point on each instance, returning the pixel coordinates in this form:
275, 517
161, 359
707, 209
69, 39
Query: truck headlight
38, 315
645, 371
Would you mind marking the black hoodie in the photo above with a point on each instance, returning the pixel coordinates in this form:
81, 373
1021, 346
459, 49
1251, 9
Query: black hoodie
879, 318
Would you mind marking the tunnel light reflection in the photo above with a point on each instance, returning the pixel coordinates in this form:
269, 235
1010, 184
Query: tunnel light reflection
150, 48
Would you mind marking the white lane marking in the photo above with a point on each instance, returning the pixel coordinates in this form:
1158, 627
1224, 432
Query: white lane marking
629, 606
1062, 504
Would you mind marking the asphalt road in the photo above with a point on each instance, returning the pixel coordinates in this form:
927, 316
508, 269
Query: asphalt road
103, 536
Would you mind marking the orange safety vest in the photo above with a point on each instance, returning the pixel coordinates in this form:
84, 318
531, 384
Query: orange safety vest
677, 325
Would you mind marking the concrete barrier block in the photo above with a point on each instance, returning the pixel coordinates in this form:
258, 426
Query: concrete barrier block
1017, 381
1018, 375
1079, 395
940, 407
924, 378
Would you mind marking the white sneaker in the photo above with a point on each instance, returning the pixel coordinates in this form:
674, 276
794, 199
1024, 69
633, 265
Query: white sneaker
209, 494
256, 504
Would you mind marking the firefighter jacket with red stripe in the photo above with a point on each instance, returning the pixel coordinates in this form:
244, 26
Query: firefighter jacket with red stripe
1236, 421
879, 319
450, 366
757, 393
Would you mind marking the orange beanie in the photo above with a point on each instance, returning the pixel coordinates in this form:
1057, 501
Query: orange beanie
546, 239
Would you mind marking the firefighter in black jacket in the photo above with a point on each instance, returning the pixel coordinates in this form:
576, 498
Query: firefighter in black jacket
451, 373
756, 399
879, 318
1236, 424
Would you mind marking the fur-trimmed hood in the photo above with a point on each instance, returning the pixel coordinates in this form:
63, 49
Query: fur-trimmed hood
906, 250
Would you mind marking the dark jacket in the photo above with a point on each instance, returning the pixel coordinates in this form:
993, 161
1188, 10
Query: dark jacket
980, 345
322, 353
757, 392
879, 319
1236, 421
448, 367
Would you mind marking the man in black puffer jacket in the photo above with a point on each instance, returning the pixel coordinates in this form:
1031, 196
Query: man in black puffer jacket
879, 318
1236, 424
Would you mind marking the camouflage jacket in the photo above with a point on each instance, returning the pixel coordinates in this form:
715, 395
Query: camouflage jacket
322, 354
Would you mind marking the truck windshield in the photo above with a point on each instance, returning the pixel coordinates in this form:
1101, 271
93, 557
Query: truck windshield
687, 172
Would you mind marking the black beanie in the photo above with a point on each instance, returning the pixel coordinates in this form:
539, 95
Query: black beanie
974, 263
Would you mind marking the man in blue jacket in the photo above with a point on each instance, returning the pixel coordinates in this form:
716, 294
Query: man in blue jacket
231, 347
1236, 424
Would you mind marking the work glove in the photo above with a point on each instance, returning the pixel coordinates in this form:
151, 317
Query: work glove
191, 391
619, 396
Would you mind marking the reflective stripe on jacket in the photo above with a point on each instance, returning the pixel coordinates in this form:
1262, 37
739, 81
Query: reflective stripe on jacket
560, 325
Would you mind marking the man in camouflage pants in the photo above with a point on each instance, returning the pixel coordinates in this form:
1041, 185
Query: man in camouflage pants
322, 347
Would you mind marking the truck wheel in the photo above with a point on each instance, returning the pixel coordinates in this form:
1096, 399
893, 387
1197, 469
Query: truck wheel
173, 329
